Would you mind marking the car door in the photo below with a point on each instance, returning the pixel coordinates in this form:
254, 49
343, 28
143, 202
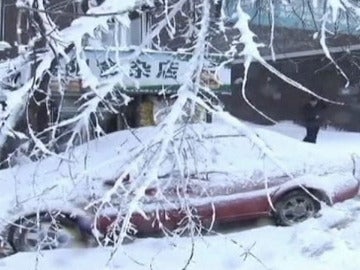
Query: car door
228, 196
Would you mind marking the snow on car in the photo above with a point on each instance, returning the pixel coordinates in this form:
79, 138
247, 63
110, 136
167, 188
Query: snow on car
228, 179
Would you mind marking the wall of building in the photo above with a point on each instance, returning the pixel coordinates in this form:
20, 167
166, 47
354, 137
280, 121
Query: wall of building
268, 93
16, 29
281, 101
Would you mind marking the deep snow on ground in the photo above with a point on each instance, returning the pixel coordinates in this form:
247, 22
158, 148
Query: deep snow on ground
327, 137
331, 241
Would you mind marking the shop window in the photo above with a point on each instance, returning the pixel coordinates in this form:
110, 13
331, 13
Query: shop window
8, 26
127, 36
229, 8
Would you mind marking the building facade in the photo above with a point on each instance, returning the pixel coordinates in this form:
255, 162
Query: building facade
299, 55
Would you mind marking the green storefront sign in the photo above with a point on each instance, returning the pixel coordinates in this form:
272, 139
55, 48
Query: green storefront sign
155, 72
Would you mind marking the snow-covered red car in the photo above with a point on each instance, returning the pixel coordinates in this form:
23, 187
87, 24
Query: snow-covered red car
46, 204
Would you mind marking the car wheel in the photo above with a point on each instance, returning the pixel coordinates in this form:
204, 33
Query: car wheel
295, 207
44, 231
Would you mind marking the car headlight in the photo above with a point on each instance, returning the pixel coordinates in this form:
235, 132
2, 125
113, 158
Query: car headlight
356, 166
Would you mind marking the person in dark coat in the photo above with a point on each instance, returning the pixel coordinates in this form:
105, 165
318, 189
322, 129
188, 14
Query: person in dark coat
312, 118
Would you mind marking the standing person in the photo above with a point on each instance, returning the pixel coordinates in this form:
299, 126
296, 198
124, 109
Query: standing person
312, 118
